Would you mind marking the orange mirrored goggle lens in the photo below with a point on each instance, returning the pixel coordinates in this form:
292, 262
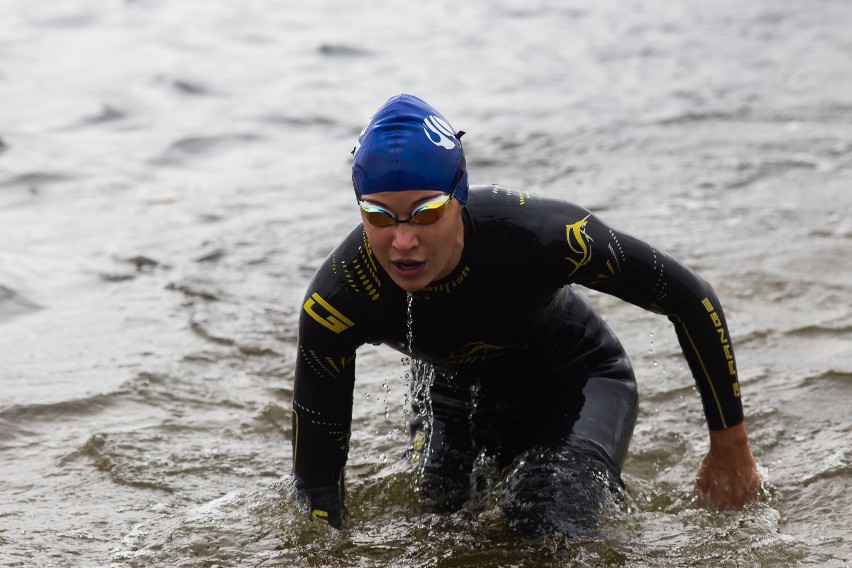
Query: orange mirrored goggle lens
428, 213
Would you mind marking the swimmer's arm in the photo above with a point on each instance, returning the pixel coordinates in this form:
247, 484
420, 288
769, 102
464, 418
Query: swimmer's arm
638, 273
320, 449
727, 477
334, 322
618, 264
322, 417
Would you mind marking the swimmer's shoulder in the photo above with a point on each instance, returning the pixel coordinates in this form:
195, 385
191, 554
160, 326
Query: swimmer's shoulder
352, 267
524, 210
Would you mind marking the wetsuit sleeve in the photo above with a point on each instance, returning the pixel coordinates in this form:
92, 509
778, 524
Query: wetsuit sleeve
618, 264
322, 394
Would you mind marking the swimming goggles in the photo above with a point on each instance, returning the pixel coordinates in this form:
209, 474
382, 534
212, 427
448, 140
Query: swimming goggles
425, 214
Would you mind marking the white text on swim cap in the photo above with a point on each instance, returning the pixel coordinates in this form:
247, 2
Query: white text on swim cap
442, 129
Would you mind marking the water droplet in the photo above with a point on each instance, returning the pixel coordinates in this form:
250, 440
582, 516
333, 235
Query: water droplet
410, 321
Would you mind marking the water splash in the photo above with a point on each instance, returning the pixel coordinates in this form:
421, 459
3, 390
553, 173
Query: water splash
407, 361
419, 377
475, 387
422, 420
474, 397
409, 319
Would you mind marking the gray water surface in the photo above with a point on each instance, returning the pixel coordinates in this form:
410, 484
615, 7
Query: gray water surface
172, 173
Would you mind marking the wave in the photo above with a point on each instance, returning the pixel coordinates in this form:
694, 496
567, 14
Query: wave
144, 388
21, 413
108, 113
196, 288
120, 459
194, 146
690, 117
813, 330
183, 85
830, 377
11, 430
13, 304
225, 323
341, 50
290, 120
33, 180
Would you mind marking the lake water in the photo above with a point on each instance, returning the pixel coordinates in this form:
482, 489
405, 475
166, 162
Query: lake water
171, 174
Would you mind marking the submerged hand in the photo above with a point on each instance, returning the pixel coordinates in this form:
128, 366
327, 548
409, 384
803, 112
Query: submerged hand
727, 477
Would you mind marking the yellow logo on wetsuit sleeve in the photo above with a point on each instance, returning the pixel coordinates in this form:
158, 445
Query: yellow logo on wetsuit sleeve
725, 343
320, 515
335, 321
578, 242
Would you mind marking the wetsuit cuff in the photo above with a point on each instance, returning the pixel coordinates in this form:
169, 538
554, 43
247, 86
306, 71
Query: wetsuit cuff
325, 504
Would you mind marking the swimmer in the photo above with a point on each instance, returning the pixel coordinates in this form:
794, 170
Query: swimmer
514, 362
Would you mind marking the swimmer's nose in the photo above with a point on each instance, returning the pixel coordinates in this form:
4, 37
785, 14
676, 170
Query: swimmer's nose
405, 237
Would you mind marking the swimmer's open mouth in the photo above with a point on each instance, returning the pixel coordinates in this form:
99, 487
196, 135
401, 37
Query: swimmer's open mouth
408, 264
408, 267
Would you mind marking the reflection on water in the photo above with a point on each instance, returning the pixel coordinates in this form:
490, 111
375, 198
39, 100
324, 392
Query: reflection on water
172, 174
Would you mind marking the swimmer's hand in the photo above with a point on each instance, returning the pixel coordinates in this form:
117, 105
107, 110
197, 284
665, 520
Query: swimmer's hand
727, 478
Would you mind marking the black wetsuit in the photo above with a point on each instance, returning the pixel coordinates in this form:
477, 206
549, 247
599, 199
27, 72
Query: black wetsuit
513, 357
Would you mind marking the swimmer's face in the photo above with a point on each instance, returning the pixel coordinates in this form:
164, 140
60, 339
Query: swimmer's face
415, 255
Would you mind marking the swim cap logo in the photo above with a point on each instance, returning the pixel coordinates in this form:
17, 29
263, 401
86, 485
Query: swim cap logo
440, 128
578, 242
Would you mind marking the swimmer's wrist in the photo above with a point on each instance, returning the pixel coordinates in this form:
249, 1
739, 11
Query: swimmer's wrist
729, 439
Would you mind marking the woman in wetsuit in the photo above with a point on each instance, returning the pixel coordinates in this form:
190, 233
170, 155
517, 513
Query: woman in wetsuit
512, 360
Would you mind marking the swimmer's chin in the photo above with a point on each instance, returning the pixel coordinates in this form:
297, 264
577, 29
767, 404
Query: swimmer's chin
410, 286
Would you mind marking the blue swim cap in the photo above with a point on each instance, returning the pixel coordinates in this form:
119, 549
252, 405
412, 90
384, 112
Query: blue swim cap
409, 145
